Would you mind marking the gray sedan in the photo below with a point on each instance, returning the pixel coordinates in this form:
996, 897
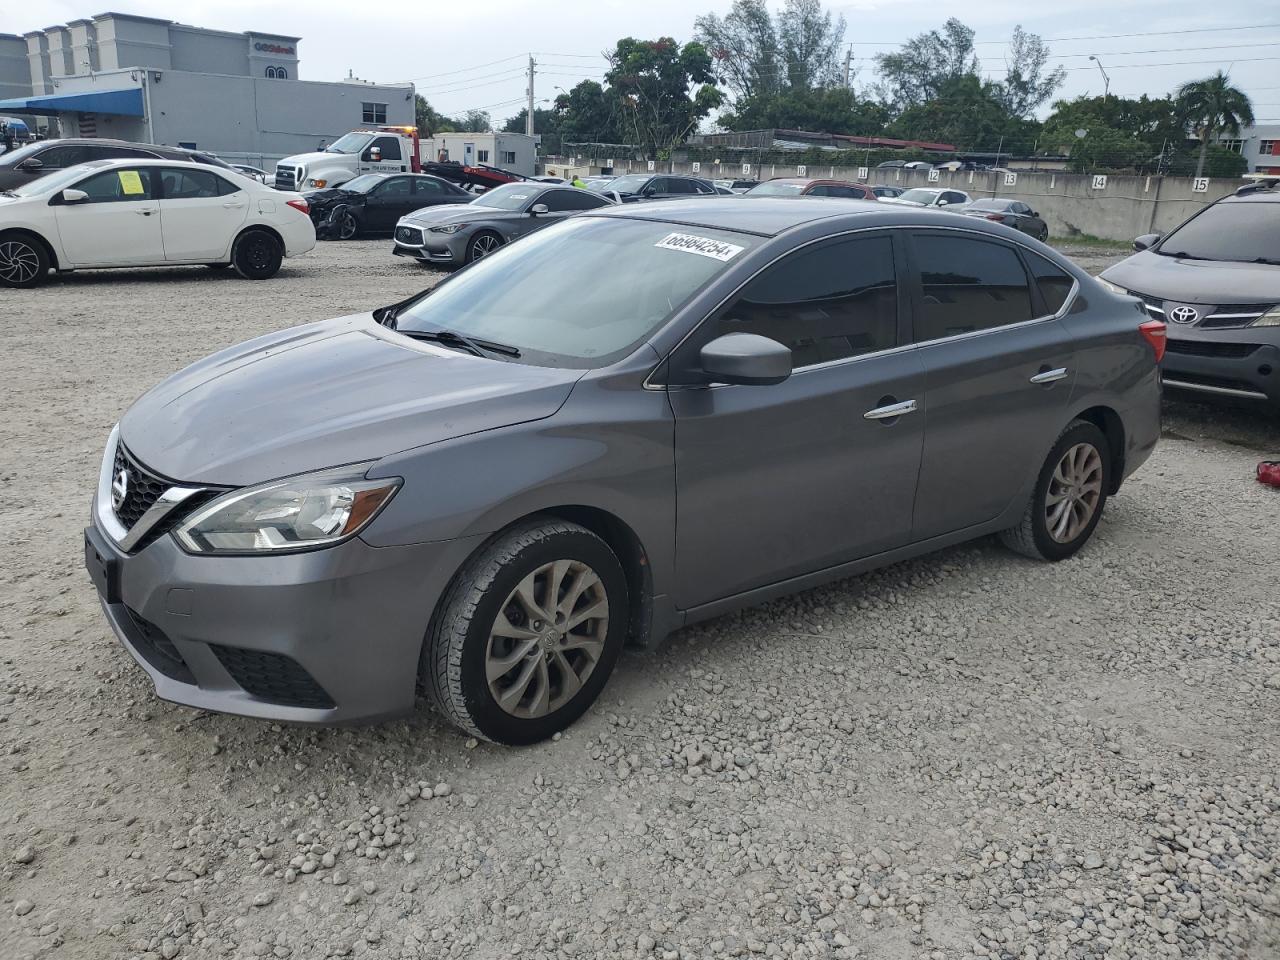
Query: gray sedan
484, 491
1012, 213
462, 234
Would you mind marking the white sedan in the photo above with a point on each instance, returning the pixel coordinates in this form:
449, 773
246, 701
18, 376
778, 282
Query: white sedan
929, 197
148, 213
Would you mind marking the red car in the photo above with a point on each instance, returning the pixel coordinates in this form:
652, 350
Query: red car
807, 187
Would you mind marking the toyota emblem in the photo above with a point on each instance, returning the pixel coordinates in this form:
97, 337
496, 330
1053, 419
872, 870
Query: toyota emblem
1184, 314
119, 489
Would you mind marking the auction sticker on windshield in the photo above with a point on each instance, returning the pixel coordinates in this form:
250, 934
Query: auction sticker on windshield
703, 246
130, 182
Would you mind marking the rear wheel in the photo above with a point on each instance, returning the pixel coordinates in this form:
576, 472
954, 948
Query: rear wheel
1069, 496
257, 255
482, 244
23, 261
527, 635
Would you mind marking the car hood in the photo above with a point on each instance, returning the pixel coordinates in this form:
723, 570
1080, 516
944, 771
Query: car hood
905, 203
459, 213
340, 391
1197, 281
318, 198
307, 159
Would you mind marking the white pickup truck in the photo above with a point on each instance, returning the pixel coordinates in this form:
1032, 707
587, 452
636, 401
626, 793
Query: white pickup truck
374, 150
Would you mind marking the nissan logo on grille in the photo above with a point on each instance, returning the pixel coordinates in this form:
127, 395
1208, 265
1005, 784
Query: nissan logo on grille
119, 489
1184, 314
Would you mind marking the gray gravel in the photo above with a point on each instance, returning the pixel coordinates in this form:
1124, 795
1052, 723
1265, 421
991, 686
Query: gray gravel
966, 755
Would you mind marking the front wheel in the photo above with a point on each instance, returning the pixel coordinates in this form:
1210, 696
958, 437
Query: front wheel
1069, 496
257, 255
23, 262
527, 634
345, 224
1043, 235
481, 245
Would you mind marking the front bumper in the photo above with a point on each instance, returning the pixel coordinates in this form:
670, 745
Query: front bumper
421, 244
324, 636
1231, 364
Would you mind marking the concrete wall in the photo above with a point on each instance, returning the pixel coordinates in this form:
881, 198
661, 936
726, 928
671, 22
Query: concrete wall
201, 51
15, 69
1121, 209
37, 63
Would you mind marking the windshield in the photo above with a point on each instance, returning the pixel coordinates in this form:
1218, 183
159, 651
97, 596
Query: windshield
631, 183
363, 183
919, 195
777, 188
53, 182
517, 295
509, 196
1241, 231
349, 143
600, 186
21, 153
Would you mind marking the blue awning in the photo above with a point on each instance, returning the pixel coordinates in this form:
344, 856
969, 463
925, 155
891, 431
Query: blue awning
126, 103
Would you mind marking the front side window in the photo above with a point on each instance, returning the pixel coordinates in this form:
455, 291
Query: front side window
560, 201
190, 184
425, 186
516, 295
395, 187
118, 186
1242, 231
827, 302
390, 147
968, 285
373, 112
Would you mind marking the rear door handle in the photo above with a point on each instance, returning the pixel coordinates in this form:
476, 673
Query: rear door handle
890, 411
233, 205
1050, 376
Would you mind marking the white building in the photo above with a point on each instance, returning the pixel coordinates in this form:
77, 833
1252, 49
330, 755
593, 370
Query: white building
510, 151
1260, 146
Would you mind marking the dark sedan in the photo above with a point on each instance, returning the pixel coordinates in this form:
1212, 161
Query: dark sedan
1012, 213
44, 157
374, 202
635, 187
460, 235
1216, 280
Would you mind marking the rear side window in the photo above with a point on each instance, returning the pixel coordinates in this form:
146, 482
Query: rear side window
1055, 283
968, 285
827, 302
677, 185
559, 201
193, 184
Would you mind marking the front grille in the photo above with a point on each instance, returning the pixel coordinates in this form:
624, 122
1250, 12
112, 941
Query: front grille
1212, 316
154, 646
286, 178
409, 235
1204, 348
273, 677
142, 488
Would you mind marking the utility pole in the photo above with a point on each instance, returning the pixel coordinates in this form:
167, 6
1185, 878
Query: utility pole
528, 120
848, 62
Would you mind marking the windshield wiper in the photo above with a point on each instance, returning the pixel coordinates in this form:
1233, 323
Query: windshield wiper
451, 338
1183, 255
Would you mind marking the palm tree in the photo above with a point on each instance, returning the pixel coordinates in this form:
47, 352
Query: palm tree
1211, 106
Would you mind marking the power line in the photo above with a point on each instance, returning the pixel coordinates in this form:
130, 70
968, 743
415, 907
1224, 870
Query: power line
1108, 36
448, 73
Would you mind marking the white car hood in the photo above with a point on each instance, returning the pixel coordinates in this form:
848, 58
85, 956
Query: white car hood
309, 159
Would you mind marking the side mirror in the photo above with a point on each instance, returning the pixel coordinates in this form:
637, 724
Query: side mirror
31, 163
1146, 241
944, 203
745, 358
375, 154
71, 195
538, 209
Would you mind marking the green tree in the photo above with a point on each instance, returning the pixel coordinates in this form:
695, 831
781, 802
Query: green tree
474, 121
590, 114
1212, 106
546, 123
652, 79
1026, 85
744, 45
826, 109
916, 73
429, 120
1118, 132
810, 38
970, 113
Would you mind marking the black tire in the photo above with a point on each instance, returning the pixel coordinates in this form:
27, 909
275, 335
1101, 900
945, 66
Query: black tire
1032, 536
1043, 235
23, 261
257, 255
482, 244
344, 225
452, 669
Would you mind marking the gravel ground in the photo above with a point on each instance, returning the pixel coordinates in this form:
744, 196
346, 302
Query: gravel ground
965, 755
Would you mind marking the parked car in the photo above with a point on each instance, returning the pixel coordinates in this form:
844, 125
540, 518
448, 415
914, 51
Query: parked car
905, 164
481, 492
148, 213
811, 187
881, 191
929, 197
737, 184
1216, 280
373, 203
636, 187
44, 157
1012, 213
458, 235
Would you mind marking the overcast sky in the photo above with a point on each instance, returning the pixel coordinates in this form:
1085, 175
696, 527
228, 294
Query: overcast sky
473, 55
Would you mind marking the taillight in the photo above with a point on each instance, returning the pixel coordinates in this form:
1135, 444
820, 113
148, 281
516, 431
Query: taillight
301, 206
1153, 331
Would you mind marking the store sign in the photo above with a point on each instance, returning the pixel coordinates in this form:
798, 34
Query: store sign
262, 47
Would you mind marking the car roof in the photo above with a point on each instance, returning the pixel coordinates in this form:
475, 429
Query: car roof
1260, 195
771, 216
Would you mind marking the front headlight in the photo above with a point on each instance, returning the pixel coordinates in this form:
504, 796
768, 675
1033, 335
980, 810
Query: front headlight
448, 228
1269, 319
1114, 288
298, 513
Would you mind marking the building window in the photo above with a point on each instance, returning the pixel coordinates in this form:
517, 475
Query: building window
1236, 146
282, 73
482, 156
374, 112
508, 156
1268, 148
271, 73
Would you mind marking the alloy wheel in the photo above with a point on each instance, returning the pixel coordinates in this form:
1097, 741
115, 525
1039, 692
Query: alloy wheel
484, 245
258, 253
547, 639
347, 227
19, 261
1075, 490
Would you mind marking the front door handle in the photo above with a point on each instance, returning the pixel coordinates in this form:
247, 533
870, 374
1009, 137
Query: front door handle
1050, 376
889, 411
144, 213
